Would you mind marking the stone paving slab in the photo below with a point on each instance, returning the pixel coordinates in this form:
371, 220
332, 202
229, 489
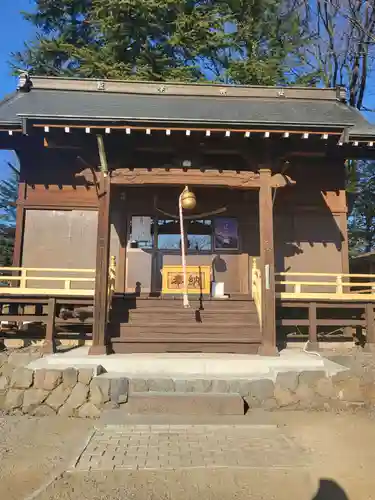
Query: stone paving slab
171, 447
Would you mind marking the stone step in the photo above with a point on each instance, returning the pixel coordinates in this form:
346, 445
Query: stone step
178, 403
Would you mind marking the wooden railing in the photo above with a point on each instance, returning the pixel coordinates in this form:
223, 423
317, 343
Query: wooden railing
33, 281
328, 286
16, 281
256, 288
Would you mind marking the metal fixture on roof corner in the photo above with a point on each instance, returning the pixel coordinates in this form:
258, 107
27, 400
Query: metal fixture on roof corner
24, 83
100, 85
341, 93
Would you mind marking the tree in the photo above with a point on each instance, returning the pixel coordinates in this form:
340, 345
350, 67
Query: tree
186, 40
8, 198
342, 44
361, 222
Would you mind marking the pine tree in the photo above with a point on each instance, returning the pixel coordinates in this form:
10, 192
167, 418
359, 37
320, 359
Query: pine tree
8, 198
236, 41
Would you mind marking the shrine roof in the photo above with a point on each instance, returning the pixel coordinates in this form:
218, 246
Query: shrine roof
108, 101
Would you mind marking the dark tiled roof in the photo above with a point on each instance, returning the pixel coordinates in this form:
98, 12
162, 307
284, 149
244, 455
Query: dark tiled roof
204, 110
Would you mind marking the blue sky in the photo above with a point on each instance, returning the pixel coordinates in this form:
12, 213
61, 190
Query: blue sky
13, 33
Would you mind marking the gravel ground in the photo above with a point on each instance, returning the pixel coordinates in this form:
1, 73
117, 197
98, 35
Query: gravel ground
33, 450
339, 450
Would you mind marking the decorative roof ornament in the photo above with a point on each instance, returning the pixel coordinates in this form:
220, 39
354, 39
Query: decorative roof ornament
100, 85
24, 83
223, 92
162, 89
281, 93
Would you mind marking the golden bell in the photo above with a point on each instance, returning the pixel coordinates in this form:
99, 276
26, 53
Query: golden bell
188, 200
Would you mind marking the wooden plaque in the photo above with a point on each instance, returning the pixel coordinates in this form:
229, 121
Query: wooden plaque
198, 277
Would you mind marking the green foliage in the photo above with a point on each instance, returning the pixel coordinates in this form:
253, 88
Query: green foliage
8, 198
237, 41
361, 222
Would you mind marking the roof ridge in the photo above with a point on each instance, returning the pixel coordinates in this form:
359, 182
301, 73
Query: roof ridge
8, 97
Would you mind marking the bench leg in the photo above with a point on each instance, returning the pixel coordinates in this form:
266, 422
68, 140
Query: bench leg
49, 344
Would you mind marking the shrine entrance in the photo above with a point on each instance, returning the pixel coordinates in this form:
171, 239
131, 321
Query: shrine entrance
213, 243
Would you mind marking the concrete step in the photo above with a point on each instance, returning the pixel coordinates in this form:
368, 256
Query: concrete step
178, 403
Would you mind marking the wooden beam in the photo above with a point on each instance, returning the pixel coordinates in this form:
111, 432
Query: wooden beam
143, 128
179, 177
20, 223
267, 262
99, 333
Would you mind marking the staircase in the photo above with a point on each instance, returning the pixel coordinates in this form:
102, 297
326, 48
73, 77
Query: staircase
150, 324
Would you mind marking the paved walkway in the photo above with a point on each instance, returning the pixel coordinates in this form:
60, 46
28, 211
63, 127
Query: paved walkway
273, 456
137, 447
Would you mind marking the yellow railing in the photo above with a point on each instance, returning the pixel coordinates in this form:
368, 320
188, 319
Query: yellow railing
256, 288
34, 281
329, 286
111, 279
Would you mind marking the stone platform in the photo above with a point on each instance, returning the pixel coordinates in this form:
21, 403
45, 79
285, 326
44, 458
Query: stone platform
192, 365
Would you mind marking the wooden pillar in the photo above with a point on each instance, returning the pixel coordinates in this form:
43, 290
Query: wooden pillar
49, 344
99, 333
20, 223
313, 330
267, 263
370, 327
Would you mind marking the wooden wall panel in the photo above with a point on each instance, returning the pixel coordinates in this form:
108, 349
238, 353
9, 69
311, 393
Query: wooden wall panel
61, 196
58, 238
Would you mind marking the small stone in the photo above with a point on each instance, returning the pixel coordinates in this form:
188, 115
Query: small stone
324, 387
20, 359
252, 402
43, 411
261, 389
220, 386
305, 395
78, 396
88, 410
22, 378
270, 404
287, 380
85, 375
3, 358
39, 378
70, 377
66, 411
33, 398
13, 399
52, 379
4, 383
161, 385
311, 377
138, 385
350, 391
197, 385
119, 390
369, 391
7, 370
284, 397
341, 376
99, 390
58, 397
